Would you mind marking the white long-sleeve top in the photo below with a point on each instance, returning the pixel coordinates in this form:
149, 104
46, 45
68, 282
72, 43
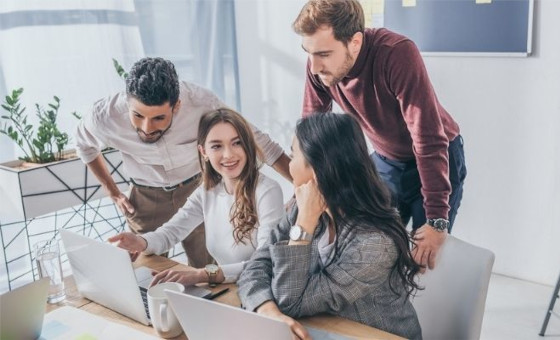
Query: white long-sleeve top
213, 208
170, 160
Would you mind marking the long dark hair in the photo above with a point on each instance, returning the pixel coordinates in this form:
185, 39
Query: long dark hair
335, 147
243, 214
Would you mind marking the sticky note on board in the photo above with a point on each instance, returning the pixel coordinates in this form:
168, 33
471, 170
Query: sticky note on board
373, 10
86, 336
367, 6
378, 6
483, 1
409, 3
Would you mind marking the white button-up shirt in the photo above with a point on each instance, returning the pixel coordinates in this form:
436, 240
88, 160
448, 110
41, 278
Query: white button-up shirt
213, 207
170, 160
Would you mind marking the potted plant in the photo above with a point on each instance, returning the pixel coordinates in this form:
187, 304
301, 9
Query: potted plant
48, 177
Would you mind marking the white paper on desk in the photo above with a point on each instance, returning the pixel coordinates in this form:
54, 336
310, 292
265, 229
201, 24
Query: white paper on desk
72, 323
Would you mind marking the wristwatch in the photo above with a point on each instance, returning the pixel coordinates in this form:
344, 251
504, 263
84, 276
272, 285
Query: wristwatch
298, 234
439, 224
212, 272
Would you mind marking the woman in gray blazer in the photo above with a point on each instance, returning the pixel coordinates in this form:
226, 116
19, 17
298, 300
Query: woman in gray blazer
342, 248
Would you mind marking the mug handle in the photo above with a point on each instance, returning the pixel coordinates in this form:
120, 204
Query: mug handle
163, 317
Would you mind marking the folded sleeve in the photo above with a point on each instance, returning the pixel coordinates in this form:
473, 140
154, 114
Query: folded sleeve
271, 150
89, 142
254, 283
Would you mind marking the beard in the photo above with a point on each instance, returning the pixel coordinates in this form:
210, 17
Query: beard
154, 136
340, 73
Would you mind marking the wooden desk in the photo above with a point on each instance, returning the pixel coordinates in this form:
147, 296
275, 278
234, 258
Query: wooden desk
328, 322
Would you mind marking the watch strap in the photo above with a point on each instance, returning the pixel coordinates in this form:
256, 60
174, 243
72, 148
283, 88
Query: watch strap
305, 236
212, 274
439, 224
302, 235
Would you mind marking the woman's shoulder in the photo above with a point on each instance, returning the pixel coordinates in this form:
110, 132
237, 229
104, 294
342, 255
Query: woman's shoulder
373, 247
370, 238
266, 183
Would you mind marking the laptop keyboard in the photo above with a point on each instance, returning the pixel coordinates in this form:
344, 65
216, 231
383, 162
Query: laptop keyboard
144, 293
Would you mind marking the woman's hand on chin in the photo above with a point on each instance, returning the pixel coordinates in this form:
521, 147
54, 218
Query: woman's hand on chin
311, 205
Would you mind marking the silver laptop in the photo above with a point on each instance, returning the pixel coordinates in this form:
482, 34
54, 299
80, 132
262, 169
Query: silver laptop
203, 319
22, 311
104, 273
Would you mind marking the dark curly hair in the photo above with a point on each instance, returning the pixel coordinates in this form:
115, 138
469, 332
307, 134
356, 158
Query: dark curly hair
153, 81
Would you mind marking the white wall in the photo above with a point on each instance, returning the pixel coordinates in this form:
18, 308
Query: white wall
508, 110
271, 69
509, 113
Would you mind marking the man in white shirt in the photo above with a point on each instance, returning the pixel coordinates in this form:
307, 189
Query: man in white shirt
154, 125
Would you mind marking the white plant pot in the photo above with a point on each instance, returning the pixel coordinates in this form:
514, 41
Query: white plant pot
31, 192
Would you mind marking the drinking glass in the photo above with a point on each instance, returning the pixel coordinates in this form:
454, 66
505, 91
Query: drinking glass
47, 257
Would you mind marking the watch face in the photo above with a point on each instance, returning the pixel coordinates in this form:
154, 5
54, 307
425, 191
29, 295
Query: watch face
295, 233
212, 268
439, 223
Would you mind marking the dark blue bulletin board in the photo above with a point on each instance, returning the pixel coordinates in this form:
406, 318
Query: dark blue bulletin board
501, 27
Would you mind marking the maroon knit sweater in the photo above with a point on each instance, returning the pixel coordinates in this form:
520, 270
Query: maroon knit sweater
388, 90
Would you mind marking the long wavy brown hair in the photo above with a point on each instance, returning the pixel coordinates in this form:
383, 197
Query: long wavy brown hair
243, 213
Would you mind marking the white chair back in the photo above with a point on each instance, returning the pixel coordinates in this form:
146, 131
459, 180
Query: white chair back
452, 304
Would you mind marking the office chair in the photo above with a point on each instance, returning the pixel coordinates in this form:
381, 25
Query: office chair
550, 310
452, 304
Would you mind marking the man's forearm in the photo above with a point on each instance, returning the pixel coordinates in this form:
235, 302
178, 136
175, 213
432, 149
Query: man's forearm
282, 166
99, 169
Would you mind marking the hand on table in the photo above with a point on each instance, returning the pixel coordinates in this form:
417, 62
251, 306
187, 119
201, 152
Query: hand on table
428, 243
270, 308
188, 277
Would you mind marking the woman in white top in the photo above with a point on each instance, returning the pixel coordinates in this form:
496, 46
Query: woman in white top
237, 204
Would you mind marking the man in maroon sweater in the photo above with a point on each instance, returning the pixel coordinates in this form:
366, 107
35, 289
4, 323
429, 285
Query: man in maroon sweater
379, 77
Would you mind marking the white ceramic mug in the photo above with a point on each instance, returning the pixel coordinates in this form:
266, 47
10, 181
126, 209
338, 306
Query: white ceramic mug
161, 314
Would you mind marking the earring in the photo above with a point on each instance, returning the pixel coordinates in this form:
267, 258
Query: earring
206, 159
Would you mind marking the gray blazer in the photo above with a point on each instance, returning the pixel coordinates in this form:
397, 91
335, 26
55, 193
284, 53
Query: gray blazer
353, 284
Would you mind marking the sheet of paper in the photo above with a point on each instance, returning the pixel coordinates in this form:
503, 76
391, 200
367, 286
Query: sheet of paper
483, 1
72, 323
409, 3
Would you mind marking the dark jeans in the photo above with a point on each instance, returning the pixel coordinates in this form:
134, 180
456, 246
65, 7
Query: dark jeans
403, 181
